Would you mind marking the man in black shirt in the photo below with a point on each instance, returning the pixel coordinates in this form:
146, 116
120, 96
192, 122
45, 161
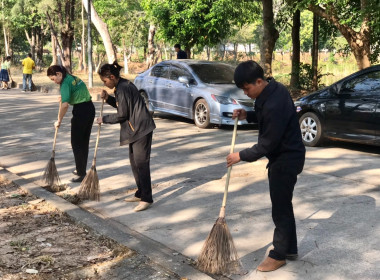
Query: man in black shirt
180, 53
280, 141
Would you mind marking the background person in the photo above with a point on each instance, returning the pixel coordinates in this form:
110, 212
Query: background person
280, 141
5, 72
180, 53
136, 129
74, 92
28, 66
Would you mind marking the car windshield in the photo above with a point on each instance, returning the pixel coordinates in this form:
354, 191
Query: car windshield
214, 73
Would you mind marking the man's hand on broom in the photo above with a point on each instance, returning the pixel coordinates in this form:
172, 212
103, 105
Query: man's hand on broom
232, 159
241, 114
99, 120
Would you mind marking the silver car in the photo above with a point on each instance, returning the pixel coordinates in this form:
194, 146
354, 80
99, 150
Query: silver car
200, 90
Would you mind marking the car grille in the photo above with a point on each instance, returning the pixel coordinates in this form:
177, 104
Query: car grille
247, 103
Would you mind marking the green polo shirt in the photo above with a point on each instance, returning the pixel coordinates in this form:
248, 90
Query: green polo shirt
74, 90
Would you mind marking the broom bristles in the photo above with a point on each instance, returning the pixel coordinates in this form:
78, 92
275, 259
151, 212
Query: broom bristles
89, 188
50, 175
219, 255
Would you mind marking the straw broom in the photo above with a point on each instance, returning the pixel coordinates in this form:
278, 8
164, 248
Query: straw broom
50, 175
89, 188
219, 255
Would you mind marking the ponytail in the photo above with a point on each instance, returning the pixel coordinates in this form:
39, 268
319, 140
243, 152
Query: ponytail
110, 69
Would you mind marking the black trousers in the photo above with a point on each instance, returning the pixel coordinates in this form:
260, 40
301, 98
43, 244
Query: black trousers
282, 179
81, 125
139, 156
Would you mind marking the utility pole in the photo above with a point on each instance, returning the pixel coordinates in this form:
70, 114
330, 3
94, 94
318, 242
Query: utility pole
89, 45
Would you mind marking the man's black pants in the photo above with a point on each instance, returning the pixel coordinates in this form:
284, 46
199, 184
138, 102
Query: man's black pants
81, 125
139, 156
282, 179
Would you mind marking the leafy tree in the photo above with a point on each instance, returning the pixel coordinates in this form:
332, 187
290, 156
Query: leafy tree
197, 22
29, 21
357, 20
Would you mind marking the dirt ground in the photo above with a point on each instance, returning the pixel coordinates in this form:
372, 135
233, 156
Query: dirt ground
39, 242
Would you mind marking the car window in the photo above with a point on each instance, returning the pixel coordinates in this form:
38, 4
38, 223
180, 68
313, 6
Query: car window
176, 72
213, 73
160, 71
368, 83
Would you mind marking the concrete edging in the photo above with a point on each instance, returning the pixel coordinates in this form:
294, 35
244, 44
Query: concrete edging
157, 252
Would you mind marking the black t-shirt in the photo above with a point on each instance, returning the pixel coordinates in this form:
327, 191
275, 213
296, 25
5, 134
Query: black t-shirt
181, 55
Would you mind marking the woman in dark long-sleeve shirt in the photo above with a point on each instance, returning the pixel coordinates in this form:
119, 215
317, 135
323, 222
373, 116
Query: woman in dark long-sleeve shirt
136, 129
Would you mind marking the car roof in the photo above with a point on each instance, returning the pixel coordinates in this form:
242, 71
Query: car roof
190, 62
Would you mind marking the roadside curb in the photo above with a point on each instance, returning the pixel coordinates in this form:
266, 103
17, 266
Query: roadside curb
157, 252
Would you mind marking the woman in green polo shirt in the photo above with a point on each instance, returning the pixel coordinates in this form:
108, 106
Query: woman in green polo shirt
74, 92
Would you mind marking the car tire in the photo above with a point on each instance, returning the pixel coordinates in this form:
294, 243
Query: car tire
202, 114
311, 129
146, 100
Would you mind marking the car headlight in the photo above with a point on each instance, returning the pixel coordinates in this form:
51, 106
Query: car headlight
297, 105
223, 99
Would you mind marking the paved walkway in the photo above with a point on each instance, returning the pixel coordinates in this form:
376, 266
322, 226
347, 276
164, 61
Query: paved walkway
336, 199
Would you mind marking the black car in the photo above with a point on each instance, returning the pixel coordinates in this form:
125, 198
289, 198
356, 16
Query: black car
347, 110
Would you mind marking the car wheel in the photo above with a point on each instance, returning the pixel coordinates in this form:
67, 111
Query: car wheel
311, 129
146, 100
202, 114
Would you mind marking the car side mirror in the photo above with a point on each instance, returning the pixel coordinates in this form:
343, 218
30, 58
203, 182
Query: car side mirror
334, 89
184, 80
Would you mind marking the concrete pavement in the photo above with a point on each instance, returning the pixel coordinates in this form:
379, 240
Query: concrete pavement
336, 199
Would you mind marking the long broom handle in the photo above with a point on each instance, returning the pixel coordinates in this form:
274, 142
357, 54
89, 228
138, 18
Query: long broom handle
97, 138
56, 129
222, 210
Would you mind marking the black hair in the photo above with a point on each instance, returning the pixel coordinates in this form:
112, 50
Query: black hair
29, 54
177, 46
8, 57
54, 69
110, 69
248, 72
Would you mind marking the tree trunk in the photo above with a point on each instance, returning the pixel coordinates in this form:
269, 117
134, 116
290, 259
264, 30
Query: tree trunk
39, 47
5, 40
188, 52
270, 36
151, 46
33, 45
126, 70
62, 59
82, 57
235, 51
53, 48
103, 31
314, 52
296, 45
359, 41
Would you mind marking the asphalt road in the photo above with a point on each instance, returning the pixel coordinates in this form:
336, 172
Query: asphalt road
336, 199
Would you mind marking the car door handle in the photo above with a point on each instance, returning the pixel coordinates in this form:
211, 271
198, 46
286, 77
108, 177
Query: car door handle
169, 85
366, 99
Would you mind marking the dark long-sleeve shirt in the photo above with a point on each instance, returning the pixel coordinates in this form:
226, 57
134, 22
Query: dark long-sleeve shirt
132, 113
279, 130
181, 55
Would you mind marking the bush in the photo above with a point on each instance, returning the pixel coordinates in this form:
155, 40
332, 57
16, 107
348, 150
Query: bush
306, 76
